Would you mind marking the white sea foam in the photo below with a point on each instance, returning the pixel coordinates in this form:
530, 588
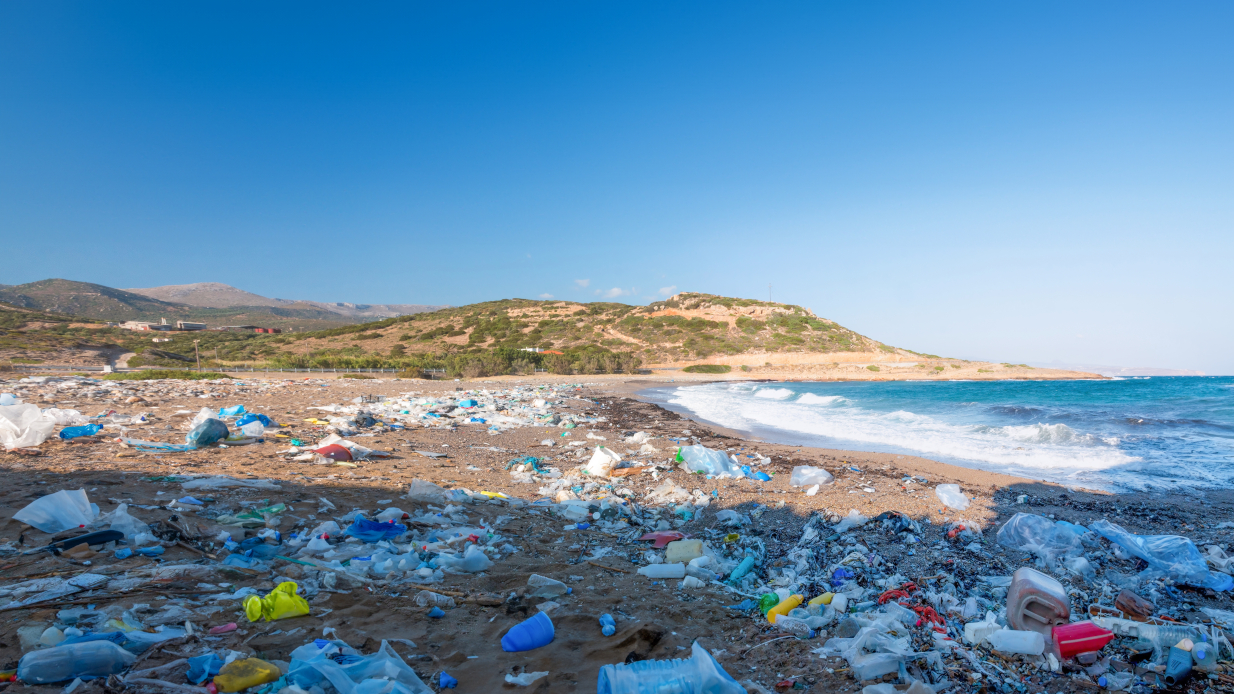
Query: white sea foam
1054, 447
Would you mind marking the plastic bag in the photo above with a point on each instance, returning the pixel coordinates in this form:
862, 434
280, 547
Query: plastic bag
699, 458
852, 520
951, 496
1171, 555
425, 492
23, 425
206, 433
602, 462
352, 672
806, 476
120, 519
1041, 536
79, 431
280, 603
232, 411
58, 512
474, 560
65, 418
374, 531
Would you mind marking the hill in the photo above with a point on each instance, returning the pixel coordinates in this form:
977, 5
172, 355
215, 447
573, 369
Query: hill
99, 302
218, 295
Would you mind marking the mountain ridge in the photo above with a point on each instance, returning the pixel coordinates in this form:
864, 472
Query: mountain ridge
219, 295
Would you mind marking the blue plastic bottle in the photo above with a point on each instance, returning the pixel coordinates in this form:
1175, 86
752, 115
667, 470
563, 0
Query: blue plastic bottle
700, 674
86, 430
608, 626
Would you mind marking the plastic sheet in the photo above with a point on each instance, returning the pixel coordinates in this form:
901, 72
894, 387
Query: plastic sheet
805, 476
58, 512
705, 460
1170, 555
1047, 539
383, 672
374, 531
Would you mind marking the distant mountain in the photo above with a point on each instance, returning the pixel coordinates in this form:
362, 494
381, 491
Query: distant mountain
218, 295
1120, 371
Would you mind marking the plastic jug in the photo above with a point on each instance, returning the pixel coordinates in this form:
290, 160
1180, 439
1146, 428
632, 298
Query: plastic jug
86, 659
683, 551
1036, 602
1022, 642
1080, 637
242, 674
544, 587
700, 674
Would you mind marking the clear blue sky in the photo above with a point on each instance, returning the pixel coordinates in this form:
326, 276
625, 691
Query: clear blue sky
1013, 181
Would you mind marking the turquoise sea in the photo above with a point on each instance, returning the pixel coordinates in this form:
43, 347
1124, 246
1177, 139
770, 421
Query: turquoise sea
1119, 434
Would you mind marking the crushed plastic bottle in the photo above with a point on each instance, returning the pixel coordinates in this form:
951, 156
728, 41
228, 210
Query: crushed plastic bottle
425, 598
700, 673
87, 659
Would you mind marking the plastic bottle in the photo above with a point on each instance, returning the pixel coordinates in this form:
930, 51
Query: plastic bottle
608, 626
700, 673
1162, 636
796, 627
692, 583
426, 598
840, 603
545, 587
664, 571
784, 607
75, 432
1021, 642
1204, 655
87, 659
742, 569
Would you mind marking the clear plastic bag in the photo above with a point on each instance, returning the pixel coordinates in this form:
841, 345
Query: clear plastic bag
1171, 555
806, 476
702, 459
22, 426
58, 512
1041, 536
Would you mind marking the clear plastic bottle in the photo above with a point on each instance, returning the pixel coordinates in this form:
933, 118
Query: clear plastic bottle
427, 598
700, 673
544, 587
89, 659
796, 627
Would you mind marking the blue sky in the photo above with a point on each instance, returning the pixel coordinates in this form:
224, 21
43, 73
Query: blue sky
1012, 181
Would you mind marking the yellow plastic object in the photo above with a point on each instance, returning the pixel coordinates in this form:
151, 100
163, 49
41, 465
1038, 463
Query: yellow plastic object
280, 603
784, 607
242, 674
731, 537
824, 599
493, 495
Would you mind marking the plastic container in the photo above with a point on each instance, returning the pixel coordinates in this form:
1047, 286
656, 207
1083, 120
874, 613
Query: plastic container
529, 634
608, 626
1178, 667
87, 659
544, 587
700, 674
1204, 655
783, 607
242, 674
797, 627
976, 632
840, 603
807, 476
663, 571
742, 569
683, 551
427, 598
1036, 602
1021, 642
1079, 637
692, 583
253, 430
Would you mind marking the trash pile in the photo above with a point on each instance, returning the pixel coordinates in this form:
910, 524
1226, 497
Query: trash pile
170, 595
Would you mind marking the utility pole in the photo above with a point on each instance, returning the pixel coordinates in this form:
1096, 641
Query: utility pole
197, 353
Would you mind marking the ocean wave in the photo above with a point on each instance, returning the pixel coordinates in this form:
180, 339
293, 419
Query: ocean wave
774, 393
812, 399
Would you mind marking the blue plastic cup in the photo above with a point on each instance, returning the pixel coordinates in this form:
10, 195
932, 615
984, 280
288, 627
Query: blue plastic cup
528, 634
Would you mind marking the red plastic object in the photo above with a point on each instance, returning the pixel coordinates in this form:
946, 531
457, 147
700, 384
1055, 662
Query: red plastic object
223, 628
1081, 637
334, 452
663, 537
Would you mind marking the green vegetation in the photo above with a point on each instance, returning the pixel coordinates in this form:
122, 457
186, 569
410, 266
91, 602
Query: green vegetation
956, 366
939, 368
872, 367
985, 371
364, 377
708, 369
155, 374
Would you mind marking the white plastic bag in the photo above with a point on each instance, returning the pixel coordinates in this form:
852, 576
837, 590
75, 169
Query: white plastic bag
425, 492
122, 520
852, 520
699, 458
23, 425
58, 512
65, 418
807, 476
951, 496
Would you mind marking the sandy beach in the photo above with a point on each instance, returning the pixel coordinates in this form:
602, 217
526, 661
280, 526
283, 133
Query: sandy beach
654, 620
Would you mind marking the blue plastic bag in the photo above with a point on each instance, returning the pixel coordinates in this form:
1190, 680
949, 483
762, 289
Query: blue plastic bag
373, 531
75, 432
203, 667
1172, 555
231, 411
255, 417
206, 433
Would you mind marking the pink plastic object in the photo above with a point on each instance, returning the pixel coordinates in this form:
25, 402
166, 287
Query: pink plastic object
1081, 637
223, 628
663, 537
1036, 602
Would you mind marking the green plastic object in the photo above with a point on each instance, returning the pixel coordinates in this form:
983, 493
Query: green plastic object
768, 601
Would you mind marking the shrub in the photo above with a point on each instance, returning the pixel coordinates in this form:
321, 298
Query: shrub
938, 368
708, 369
872, 367
956, 366
364, 377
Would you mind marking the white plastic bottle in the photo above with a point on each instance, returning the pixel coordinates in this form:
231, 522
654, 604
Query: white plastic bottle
663, 571
1021, 642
